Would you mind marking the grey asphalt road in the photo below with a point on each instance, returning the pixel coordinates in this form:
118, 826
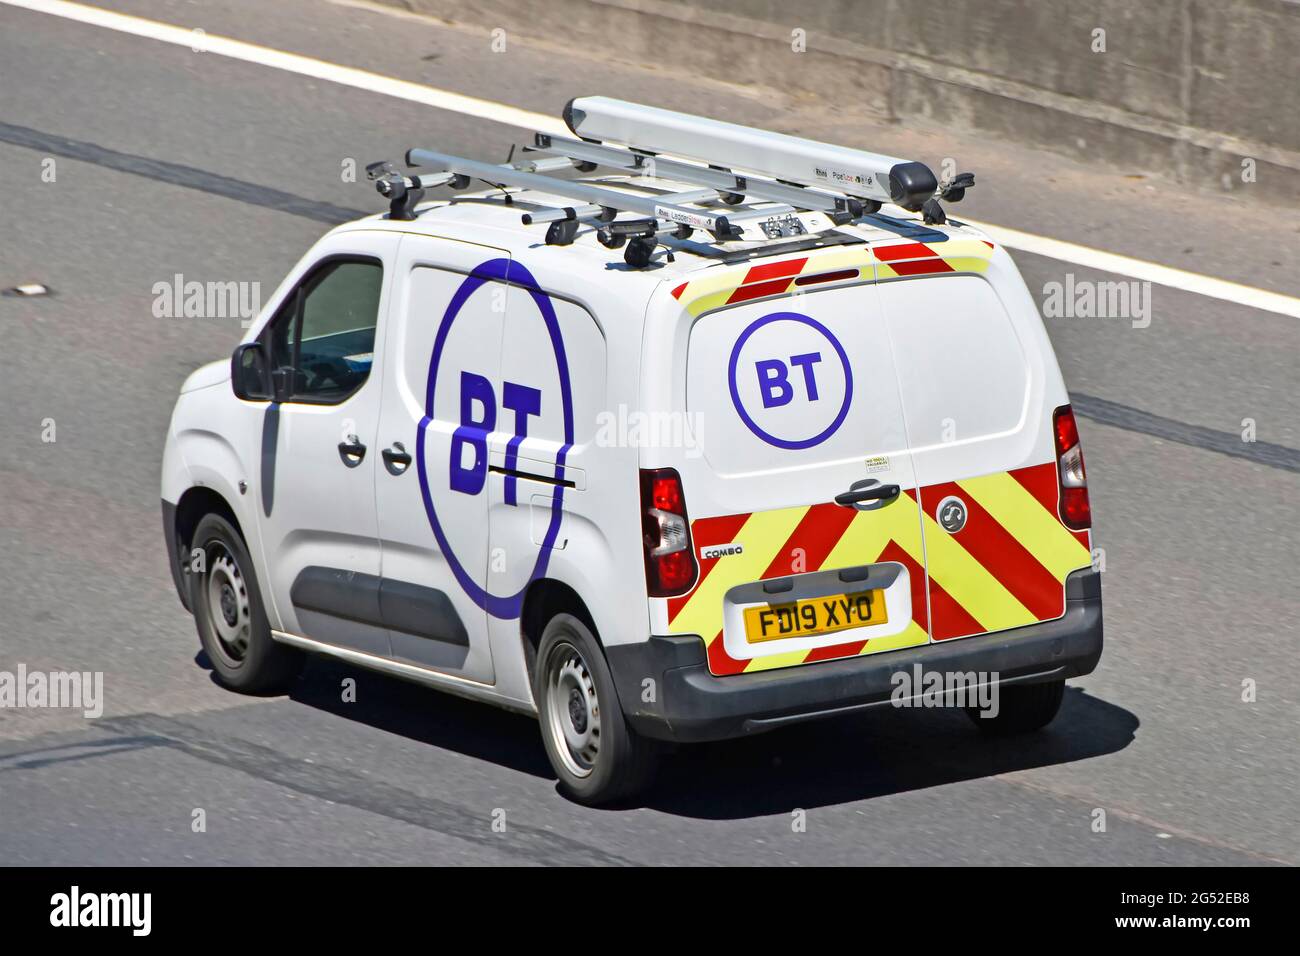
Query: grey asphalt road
173, 162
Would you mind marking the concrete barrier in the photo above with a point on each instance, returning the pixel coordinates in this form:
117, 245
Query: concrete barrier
1204, 91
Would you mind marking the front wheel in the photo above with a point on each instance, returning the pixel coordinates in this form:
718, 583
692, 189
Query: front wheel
596, 755
1022, 708
230, 616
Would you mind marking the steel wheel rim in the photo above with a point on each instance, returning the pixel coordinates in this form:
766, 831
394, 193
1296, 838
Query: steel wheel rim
227, 604
573, 710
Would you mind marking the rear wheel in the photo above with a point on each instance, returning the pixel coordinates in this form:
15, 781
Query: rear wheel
1022, 708
596, 755
230, 616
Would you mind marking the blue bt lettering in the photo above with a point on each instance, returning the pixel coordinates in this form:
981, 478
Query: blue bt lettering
774, 378
472, 432
523, 401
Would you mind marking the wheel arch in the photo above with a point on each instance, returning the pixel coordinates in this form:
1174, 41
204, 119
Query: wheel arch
182, 519
547, 597
197, 502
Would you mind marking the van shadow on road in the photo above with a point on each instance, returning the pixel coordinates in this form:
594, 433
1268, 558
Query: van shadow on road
842, 760
878, 753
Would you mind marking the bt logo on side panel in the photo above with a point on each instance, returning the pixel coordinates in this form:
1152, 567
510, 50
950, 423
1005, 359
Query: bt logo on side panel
470, 399
474, 428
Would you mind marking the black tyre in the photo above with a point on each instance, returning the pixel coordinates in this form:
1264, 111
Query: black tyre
1022, 708
230, 616
597, 756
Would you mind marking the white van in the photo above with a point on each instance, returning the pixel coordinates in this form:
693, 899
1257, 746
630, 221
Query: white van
673, 454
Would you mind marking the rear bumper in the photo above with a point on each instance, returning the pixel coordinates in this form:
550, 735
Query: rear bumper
690, 704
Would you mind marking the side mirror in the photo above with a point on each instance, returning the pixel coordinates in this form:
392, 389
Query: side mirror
250, 376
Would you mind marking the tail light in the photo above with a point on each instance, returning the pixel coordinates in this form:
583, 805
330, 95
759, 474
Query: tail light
1076, 512
670, 567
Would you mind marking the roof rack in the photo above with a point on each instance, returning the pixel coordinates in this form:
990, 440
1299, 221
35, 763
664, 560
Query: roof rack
786, 186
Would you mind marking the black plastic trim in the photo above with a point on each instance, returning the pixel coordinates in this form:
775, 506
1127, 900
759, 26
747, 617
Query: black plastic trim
531, 476
421, 611
338, 593
379, 602
173, 540
690, 704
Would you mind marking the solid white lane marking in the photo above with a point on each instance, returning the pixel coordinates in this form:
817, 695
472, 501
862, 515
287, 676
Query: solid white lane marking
194, 38
1141, 269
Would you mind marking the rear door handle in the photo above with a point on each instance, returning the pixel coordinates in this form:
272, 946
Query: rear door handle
396, 459
868, 489
351, 451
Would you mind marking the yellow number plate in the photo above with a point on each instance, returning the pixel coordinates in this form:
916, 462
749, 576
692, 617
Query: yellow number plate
811, 616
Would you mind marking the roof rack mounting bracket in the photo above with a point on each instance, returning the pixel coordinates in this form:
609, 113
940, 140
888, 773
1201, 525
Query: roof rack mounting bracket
640, 251
403, 208
849, 209
402, 194
732, 197
562, 232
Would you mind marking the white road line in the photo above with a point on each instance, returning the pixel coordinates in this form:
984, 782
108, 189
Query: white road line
195, 39
1141, 269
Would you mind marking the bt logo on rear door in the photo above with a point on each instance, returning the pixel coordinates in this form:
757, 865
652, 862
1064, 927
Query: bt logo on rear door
790, 380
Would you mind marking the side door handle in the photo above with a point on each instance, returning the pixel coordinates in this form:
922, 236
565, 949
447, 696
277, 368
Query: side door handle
868, 489
396, 459
351, 451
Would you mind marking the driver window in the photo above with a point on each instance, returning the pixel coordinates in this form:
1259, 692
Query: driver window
326, 336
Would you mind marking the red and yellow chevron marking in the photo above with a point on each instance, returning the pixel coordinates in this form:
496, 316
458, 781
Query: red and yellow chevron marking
790, 541
1005, 568
894, 260
935, 258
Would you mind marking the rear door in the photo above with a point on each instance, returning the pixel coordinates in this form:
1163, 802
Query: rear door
795, 401
979, 385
